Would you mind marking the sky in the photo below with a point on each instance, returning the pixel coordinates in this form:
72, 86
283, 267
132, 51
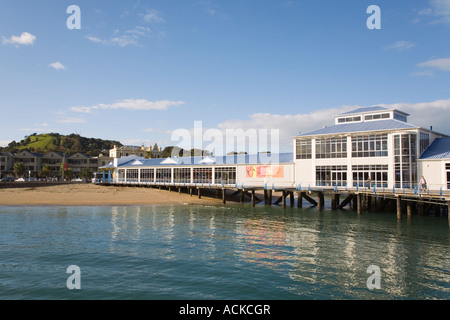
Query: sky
138, 71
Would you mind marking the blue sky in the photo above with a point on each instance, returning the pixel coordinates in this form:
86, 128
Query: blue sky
137, 70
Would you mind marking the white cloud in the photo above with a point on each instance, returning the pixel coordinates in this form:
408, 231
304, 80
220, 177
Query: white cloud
423, 114
400, 46
123, 39
69, 120
25, 39
439, 64
131, 104
439, 11
57, 65
153, 16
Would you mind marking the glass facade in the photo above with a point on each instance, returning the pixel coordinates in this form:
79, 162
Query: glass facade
369, 146
225, 175
424, 142
405, 159
164, 175
147, 175
378, 175
182, 175
202, 175
331, 148
328, 176
132, 175
303, 149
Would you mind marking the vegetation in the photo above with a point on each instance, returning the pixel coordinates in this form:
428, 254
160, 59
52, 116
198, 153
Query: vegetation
19, 169
69, 144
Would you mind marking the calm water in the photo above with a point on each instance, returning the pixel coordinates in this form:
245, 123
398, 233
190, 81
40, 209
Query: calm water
214, 252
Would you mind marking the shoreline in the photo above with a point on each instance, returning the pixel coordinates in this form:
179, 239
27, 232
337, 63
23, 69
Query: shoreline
95, 195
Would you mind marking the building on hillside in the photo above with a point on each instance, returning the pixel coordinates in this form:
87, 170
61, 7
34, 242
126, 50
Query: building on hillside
54, 161
142, 152
30, 160
80, 161
434, 164
6, 164
125, 151
375, 146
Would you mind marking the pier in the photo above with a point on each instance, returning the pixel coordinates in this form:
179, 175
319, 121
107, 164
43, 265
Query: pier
404, 202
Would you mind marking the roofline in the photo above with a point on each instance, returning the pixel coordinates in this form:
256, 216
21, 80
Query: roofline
373, 111
352, 132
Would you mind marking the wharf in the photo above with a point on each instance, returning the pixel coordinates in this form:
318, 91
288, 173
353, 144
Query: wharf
361, 199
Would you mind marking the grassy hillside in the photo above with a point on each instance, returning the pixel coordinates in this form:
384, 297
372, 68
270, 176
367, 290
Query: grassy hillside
69, 144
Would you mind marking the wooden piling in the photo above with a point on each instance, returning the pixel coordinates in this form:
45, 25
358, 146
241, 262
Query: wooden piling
253, 197
399, 207
224, 196
321, 201
283, 200
408, 209
299, 199
242, 196
199, 191
359, 203
291, 195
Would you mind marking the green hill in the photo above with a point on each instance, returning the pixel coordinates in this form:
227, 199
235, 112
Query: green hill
69, 144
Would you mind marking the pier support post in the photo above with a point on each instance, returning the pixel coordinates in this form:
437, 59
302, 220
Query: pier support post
199, 191
283, 199
253, 197
242, 196
359, 204
335, 201
448, 206
420, 208
408, 209
399, 207
291, 195
270, 196
224, 196
266, 197
300, 200
321, 201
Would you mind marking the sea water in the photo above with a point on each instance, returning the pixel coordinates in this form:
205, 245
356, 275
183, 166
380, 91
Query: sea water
175, 252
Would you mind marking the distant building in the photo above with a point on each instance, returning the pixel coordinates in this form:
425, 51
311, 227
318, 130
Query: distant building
30, 160
54, 161
142, 152
6, 164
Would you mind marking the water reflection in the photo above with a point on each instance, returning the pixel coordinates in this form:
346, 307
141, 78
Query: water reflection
321, 253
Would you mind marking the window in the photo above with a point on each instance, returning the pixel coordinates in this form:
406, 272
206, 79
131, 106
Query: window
399, 117
349, 119
121, 175
424, 142
378, 175
447, 168
303, 149
132, 174
147, 175
331, 175
225, 175
369, 146
405, 160
202, 175
377, 116
164, 175
331, 148
182, 175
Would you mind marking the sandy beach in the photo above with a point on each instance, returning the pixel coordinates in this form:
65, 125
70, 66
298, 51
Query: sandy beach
90, 194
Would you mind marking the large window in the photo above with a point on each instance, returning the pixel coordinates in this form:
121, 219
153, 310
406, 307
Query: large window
202, 175
164, 175
331, 148
369, 146
378, 175
405, 160
147, 175
132, 174
377, 116
349, 119
331, 176
447, 168
225, 175
424, 142
303, 149
182, 175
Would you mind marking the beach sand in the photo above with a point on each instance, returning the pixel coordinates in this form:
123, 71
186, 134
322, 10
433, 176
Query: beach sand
91, 195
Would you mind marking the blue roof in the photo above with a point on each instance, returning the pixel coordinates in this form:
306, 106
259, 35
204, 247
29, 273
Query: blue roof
439, 149
366, 109
212, 160
388, 124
